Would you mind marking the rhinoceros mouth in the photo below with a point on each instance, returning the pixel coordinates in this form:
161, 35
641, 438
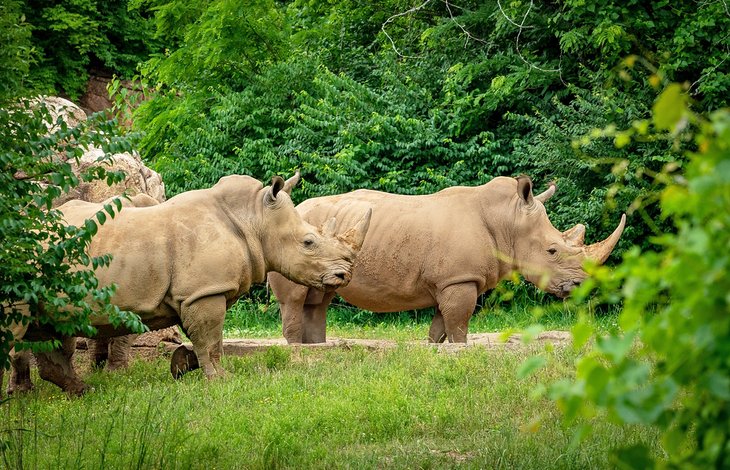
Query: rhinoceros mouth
335, 280
566, 288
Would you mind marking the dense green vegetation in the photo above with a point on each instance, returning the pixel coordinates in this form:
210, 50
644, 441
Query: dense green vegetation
675, 303
396, 96
410, 98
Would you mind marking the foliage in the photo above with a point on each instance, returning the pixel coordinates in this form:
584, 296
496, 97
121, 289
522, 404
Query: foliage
667, 365
410, 99
71, 37
16, 51
37, 250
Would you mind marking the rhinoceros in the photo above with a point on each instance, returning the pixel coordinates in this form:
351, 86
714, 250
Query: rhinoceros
442, 250
195, 254
20, 379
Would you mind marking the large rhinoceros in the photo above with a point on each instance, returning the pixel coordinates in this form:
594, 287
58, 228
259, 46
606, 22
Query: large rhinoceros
194, 255
441, 250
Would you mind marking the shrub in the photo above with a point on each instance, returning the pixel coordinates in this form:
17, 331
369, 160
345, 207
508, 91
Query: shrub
668, 364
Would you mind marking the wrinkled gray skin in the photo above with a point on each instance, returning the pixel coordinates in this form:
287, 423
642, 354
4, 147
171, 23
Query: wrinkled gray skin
441, 250
194, 255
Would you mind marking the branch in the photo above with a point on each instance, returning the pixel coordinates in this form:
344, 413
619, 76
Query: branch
521, 27
392, 18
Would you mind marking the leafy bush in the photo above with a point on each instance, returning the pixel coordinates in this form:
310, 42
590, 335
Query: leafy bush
70, 37
37, 250
668, 364
410, 100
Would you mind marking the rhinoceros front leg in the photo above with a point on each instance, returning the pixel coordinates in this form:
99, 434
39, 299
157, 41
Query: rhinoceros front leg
99, 348
291, 297
19, 380
456, 304
203, 322
56, 367
314, 319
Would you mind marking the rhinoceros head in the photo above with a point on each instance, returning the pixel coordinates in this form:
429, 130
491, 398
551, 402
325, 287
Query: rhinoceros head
551, 259
315, 257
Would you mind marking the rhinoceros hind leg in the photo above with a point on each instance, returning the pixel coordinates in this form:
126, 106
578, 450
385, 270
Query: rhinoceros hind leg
203, 321
314, 320
437, 332
99, 348
456, 303
119, 348
19, 381
183, 360
56, 367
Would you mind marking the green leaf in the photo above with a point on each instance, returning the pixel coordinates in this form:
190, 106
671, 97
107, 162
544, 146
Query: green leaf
530, 366
101, 217
670, 107
636, 457
90, 226
581, 332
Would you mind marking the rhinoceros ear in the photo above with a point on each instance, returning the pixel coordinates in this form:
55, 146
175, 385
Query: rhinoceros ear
291, 182
277, 184
524, 189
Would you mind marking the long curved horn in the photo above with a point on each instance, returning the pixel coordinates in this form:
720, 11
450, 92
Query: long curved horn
599, 251
575, 236
547, 194
291, 182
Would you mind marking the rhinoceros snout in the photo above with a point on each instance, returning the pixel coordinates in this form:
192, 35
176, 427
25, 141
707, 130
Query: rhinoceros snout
567, 287
336, 279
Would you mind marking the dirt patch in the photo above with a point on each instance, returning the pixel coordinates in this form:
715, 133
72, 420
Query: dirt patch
242, 347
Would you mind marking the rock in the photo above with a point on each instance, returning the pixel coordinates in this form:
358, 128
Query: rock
153, 338
139, 179
57, 106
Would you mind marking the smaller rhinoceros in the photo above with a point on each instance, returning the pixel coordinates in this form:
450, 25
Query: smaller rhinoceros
20, 378
186, 260
441, 250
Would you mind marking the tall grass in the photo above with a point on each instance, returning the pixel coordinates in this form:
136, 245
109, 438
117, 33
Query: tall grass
407, 407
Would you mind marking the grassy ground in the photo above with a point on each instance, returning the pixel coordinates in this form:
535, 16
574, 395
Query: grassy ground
409, 407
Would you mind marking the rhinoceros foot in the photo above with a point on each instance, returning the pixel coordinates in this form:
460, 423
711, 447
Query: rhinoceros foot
183, 360
20, 381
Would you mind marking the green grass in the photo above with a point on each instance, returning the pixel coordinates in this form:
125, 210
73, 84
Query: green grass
407, 407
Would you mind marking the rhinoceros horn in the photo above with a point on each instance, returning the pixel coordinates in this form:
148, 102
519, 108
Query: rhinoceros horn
330, 227
547, 194
599, 251
575, 236
356, 235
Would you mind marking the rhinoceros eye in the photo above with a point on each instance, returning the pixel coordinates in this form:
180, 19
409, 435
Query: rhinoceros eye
552, 251
308, 242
